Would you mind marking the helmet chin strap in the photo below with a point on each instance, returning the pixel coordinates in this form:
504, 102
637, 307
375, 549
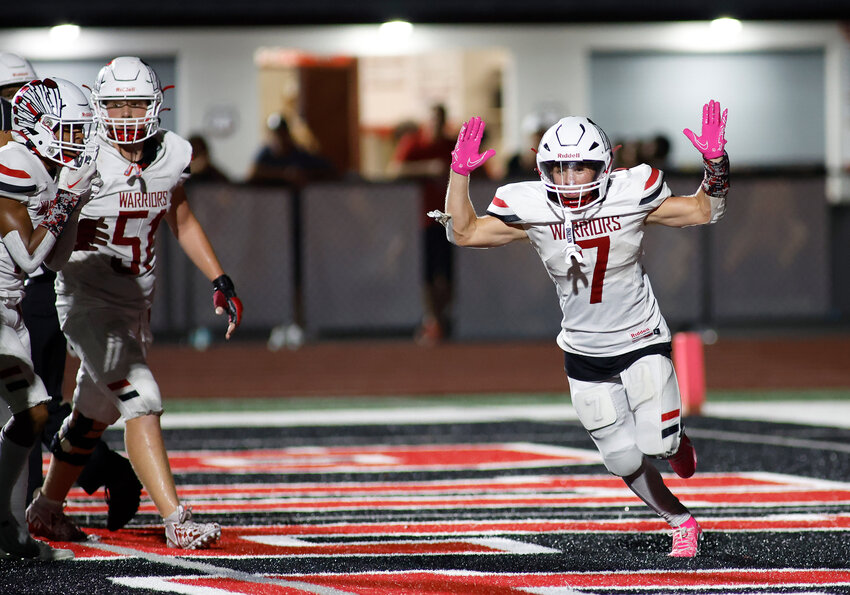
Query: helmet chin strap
571, 251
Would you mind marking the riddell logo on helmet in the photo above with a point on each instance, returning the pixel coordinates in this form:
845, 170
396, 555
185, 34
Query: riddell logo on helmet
569, 155
125, 89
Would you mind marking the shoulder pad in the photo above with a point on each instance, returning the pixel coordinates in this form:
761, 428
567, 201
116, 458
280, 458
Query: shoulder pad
643, 182
19, 175
179, 149
524, 202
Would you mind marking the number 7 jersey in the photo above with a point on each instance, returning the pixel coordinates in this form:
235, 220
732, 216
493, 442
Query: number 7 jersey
132, 203
607, 301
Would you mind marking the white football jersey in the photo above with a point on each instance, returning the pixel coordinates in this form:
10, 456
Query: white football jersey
607, 301
132, 202
23, 178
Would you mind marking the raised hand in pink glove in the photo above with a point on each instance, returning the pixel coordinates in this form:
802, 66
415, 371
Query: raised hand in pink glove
465, 157
711, 142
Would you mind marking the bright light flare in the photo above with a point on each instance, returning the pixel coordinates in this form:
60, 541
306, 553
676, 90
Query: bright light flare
395, 30
64, 34
725, 27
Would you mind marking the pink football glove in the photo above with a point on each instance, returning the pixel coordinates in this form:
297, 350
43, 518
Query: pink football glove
711, 142
465, 157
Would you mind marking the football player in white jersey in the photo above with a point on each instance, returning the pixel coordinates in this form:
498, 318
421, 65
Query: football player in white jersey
45, 176
48, 348
587, 224
104, 295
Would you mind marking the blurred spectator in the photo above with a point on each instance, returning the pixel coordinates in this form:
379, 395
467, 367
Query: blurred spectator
655, 151
202, 167
626, 153
524, 163
421, 155
282, 161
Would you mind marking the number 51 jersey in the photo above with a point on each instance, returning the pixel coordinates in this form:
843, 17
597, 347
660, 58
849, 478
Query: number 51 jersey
132, 203
607, 301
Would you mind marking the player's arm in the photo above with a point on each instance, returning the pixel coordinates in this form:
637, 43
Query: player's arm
195, 243
28, 247
708, 204
463, 226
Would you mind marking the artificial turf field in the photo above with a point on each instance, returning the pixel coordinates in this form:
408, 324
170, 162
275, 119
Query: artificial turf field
472, 495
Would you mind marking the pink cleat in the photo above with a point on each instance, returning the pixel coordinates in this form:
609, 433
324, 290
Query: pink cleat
684, 462
686, 538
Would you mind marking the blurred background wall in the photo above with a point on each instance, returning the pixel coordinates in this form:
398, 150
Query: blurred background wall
342, 257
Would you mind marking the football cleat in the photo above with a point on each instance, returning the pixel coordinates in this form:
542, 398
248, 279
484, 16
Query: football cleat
684, 462
686, 538
16, 543
47, 519
184, 533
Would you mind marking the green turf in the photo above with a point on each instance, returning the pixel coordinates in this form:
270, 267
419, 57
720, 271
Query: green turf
459, 400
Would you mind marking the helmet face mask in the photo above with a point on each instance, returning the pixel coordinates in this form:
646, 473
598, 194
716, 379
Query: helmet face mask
127, 82
575, 162
52, 117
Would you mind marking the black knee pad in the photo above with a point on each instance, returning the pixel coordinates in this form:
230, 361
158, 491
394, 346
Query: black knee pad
71, 444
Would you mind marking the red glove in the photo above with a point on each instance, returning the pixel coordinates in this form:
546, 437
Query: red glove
225, 300
90, 234
465, 157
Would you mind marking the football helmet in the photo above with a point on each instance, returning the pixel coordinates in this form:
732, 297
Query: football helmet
575, 140
15, 70
130, 79
52, 118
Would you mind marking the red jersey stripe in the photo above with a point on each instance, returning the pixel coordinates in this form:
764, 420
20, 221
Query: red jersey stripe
119, 384
14, 173
670, 415
653, 177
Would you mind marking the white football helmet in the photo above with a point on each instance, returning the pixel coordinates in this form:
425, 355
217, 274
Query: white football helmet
572, 140
48, 115
15, 70
130, 79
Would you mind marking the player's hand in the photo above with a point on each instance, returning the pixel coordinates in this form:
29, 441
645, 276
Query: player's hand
91, 233
83, 181
712, 140
225, 300
465, 157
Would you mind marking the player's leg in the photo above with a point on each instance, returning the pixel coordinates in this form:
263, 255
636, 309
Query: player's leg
26, 398
654, 397
114, 358
653, 394
105, 468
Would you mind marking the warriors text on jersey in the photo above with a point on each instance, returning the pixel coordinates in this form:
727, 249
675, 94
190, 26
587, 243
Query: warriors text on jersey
607, 301
23, 178
132, 203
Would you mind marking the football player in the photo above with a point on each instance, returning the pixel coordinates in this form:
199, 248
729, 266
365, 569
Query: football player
106, 467
587, 224
104, 296
45, 177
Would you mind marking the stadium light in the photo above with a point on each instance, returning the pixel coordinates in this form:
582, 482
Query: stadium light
65, 33
726, 27
394, 31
